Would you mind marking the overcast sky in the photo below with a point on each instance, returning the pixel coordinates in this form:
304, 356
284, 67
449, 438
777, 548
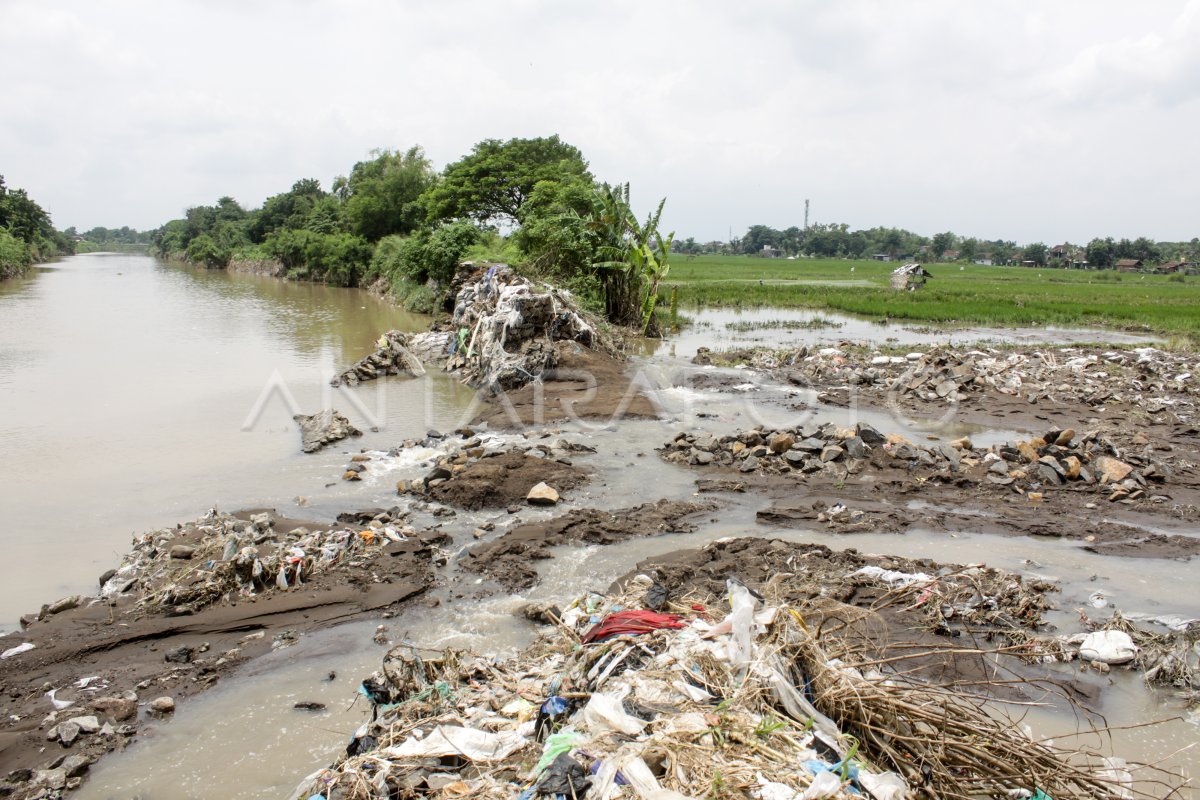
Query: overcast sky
1021, 120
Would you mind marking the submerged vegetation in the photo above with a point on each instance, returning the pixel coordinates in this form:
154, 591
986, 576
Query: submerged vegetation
395, 223
968, 294
26, 234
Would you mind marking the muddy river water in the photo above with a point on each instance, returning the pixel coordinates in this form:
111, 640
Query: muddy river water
135, 394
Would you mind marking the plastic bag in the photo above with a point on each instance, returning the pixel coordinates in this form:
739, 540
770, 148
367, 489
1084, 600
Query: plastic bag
604, 713
468, 743
824, 784
884, 785
741, 648
1108, 647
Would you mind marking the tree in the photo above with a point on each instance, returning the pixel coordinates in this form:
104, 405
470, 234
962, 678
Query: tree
383, 195
1145, 249
494, 182
286, 211
1101, 253
1036, 253
968, 247
942, 242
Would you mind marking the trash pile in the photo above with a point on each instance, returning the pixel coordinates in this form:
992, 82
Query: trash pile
1145, 377
391, 357
668, 698
1057, 458
220, 556
506, 331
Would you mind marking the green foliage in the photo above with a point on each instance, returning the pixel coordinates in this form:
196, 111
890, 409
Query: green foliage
492, 246
383, 195
289, 210
493, 182
14, 255
424, 256
204, 249
336, 258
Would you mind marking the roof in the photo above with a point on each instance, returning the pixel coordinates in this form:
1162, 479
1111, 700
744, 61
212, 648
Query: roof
1129, 262
912, 269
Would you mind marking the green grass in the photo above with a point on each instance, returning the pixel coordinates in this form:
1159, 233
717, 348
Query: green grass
973, 295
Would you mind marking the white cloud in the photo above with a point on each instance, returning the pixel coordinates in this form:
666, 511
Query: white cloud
1051, 121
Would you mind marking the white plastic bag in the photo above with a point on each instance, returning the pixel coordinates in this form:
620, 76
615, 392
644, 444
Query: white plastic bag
741, 648
1108, 647
884, 785
604, 713
447, 740
825, 784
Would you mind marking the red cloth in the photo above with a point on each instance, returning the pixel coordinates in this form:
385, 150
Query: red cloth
634, 622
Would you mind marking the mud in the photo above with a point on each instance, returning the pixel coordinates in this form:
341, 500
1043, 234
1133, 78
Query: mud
511, 559
585, 385
502, 481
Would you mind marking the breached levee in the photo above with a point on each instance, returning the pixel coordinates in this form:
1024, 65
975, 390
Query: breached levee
527, 347
826, 674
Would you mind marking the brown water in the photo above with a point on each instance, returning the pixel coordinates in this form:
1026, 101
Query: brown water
128, 391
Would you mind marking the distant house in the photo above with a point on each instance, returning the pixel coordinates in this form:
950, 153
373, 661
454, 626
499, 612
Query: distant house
770, 252
1059, 251
909, 277
882, 257
1176, 267
950, 255
984, 260
1129, 264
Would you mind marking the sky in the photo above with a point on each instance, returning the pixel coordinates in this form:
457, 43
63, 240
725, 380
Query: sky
1024, 120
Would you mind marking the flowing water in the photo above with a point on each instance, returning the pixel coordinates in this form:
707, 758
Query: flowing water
135, 395
130, 396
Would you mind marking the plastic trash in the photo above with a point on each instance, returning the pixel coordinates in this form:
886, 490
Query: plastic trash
565, 776
772, 790
824, 784
604, 712
59, 705
1108, 647
645, 784
883, 785
892, 577
281, 579
469, 743
556, 745
24, 647
741, 649
1116, 771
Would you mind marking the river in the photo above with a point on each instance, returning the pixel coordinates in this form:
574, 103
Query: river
132, 397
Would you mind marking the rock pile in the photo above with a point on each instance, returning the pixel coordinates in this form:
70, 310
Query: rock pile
1145, 377
391, 357
1058, 458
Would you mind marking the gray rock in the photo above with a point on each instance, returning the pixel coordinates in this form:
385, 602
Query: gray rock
832, 453
323, 428
76, 765
68, 732
749, 464
810, 445
1000, 467
869, 435
118, 708
795, 457
702, 457
87, 724
855, 447
55, 779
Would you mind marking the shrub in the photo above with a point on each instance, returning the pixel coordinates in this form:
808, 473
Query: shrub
337, 258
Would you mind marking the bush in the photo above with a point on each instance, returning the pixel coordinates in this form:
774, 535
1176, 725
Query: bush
205, 250
425, 256
15, 257
340, 259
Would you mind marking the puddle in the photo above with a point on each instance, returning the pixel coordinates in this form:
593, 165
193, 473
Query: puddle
723, 328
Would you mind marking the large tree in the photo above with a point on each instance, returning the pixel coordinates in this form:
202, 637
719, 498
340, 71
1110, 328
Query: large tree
383, 195
494, 182
941, 243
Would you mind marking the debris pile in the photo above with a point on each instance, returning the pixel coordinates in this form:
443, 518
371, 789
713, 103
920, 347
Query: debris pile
220, 556
671, 697
507, 331
323, 428
391, 357
1058, 458
1145, 377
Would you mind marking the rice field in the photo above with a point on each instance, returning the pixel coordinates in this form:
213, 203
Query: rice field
956, 294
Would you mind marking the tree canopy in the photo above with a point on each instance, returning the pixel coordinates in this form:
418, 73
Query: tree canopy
493, 183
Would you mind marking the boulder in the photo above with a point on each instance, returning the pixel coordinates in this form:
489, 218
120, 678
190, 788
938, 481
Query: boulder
781, 443
323, 428
162, 705
1111, 470
183, 552
117, 708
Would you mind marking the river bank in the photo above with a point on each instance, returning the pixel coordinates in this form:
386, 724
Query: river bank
892, 500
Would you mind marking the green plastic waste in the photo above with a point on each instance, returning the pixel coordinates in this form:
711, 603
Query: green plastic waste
556, 745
